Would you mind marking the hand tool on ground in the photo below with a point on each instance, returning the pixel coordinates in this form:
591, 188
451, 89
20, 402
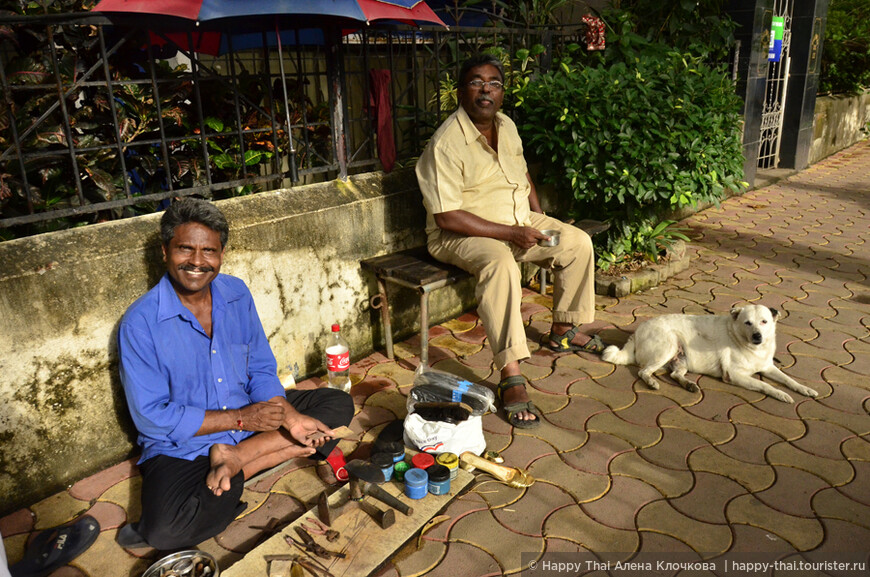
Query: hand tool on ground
364, 478
314, 547
320, 529
510, 476
311, 564
384, 518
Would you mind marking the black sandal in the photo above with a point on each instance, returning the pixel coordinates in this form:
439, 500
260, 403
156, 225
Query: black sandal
514, 409
564, 345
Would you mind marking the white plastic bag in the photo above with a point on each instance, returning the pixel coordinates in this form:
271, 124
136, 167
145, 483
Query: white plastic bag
441, 437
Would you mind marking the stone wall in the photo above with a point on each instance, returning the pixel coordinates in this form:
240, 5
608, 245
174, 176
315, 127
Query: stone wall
62, 411
840, 122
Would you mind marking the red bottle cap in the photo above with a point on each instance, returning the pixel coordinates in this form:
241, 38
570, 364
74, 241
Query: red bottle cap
422, 460
336, 328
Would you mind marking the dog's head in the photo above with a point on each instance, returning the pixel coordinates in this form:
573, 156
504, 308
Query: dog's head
754, 323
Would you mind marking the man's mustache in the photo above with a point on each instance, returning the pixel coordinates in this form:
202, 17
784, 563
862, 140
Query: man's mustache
485, 98
191, 268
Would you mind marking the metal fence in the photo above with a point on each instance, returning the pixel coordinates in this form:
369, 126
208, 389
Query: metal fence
100, 122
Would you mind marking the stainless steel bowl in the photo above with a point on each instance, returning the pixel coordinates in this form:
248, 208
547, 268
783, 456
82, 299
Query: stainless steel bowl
190, 563
554, 238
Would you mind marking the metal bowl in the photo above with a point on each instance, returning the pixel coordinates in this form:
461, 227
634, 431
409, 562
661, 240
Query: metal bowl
554, 238
192, 563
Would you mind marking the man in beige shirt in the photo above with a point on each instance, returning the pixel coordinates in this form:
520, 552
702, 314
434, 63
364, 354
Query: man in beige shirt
484, 216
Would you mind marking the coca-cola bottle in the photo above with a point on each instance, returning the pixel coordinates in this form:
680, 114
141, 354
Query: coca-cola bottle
337, 361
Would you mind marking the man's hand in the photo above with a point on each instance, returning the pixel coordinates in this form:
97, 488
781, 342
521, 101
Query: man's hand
266, 416
308, 431
526, 237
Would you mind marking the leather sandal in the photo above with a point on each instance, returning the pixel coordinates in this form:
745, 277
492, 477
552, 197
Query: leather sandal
562, 343
514, 409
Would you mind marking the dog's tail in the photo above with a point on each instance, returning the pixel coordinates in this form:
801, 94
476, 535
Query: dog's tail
613, 354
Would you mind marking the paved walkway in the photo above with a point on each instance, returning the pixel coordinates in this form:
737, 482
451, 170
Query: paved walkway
621, 468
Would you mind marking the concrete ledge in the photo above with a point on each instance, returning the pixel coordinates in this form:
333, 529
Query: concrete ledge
63, 415
643, 279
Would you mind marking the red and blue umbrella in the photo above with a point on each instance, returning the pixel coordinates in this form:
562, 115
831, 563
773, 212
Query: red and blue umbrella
306, 12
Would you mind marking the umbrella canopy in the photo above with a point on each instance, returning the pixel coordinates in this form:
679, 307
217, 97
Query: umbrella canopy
219, 12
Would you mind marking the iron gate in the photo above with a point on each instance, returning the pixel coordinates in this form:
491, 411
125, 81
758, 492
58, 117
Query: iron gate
774, 99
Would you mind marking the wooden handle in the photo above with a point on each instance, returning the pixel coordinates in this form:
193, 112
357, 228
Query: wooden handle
500, 472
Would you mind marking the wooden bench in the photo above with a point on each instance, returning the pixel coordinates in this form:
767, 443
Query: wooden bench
416, 269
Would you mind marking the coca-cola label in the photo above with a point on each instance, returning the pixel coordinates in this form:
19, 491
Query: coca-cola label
339, 362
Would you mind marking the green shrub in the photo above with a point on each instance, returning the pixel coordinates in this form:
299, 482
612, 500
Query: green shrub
632, 140
846, 50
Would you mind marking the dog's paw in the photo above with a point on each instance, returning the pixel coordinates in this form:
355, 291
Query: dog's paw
806, 391
780, 396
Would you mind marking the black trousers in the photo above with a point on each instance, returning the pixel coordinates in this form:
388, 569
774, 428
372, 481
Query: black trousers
179, 511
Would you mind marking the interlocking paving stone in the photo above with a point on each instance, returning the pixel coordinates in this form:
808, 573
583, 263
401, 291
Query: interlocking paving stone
750, 414
823, 438
714, 405
836, 505
843, 537
802, 533
715, 432
661, 517
582, 486
673, 450
504, 545
601, 391
57, 510
833, 471
707, 499
753, 477
391, 400
792, 492
411, 561
595, 455
527, 515
668, 482
638, 435
618, 507
858, 488
473, 559
749, 444
856, 449
401, 376
572, 524
94, 486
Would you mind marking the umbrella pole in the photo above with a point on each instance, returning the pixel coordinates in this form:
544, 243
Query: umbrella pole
294, 177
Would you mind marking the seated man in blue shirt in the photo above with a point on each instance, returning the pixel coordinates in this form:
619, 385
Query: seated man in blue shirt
202, 386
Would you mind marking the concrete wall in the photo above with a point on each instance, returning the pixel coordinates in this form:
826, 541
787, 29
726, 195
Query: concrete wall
62, 411
840, 122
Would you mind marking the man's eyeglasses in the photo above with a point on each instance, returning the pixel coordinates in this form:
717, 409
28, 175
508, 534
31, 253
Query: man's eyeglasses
478, 84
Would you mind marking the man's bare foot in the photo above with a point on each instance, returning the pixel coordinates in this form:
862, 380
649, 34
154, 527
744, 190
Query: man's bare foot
518, 395
225, 464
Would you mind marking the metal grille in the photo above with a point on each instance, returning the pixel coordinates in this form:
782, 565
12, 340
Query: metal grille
775, 93
114, 126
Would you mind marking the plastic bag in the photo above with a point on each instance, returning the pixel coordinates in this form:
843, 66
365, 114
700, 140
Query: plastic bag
440, 437
431, 386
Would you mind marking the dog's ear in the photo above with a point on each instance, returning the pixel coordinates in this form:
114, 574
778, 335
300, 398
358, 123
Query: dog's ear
735, 312
774, 312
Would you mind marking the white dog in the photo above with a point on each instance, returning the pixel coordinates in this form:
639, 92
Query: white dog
731, 347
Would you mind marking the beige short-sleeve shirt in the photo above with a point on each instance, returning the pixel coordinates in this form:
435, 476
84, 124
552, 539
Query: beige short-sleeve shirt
458, 170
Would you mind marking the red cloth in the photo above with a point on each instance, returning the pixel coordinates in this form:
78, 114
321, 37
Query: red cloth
382, 113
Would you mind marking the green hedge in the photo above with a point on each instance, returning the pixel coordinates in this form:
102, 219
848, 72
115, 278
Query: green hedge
631, 140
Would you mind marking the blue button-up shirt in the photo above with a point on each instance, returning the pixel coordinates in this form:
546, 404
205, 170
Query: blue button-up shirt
173, 372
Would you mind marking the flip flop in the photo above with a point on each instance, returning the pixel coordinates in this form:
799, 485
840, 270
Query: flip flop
514, 409
56, 547
562, 343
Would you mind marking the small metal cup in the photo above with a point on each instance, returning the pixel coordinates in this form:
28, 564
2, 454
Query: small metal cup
554, 238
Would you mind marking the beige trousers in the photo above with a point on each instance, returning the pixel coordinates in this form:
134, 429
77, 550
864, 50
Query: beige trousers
499, 292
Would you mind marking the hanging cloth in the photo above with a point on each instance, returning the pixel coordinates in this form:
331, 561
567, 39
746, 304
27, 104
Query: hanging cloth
594, 32
382, 114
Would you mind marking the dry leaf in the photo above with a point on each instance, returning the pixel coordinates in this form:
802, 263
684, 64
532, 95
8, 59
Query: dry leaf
431, 523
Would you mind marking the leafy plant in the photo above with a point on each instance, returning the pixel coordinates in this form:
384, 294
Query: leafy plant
628, 141
846, 54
